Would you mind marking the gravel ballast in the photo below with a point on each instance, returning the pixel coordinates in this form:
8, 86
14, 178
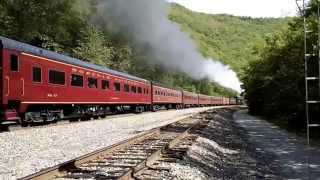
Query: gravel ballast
27, 151
235, 145
219, 152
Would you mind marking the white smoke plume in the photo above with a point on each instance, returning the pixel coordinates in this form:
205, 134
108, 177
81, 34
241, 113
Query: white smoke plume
147, 22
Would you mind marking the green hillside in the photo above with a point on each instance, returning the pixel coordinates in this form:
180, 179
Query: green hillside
230, 39
69, 28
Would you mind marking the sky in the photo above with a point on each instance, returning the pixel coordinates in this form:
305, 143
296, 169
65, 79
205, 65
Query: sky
253, 8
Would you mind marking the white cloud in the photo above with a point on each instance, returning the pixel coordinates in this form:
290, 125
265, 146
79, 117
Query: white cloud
253, 8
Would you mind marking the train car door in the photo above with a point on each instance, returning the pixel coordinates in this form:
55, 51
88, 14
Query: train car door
14, 78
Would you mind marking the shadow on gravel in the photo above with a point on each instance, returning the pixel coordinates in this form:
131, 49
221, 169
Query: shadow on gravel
221, 153
285, 152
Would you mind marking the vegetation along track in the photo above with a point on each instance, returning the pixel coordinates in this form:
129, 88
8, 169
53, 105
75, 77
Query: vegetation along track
135, 158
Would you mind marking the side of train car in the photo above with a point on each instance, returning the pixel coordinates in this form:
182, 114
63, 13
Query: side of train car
40, 85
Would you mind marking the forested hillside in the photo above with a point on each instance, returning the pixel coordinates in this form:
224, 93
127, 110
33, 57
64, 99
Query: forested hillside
69, 27
230, 39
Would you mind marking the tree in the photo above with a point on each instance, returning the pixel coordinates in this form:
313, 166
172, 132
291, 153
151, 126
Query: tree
92, 47
44, 23
274, 84
69, 27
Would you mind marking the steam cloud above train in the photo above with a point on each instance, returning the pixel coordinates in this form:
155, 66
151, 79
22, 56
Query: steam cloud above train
147, 22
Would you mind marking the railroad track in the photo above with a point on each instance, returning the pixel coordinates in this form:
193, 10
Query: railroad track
135, 158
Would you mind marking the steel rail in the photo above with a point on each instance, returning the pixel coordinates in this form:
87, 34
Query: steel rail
62, 169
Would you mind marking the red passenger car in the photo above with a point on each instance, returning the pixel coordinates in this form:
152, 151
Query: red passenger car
218, 101
40, 85
225, 101
233, 101
163, 96
190, 99
204, 100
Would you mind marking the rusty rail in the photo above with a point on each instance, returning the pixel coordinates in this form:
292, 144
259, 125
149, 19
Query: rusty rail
64, 169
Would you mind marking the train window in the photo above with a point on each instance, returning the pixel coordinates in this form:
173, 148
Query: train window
14, 63
133, 89
126, 88
144, 91
147, 91
56, 77
105, 84
116, 86
92, 83
76, 80
36, 74
139, 90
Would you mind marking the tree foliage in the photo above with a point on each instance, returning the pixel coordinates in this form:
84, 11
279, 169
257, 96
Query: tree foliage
227, 38
275, 84
92, 47
66, 26
50, 24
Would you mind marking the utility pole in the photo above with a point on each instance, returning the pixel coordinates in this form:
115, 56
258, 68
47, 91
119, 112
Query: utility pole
312, 72
312, 69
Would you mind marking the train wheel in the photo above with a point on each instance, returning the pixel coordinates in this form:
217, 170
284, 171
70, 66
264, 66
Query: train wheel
56, 119
4, 128
51, 118
154, 108
24, 121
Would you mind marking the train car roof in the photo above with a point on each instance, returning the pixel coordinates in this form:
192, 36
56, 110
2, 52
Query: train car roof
23, 47
188, 92
165, 86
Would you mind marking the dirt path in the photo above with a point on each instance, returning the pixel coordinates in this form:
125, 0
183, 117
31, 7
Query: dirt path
284, 152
